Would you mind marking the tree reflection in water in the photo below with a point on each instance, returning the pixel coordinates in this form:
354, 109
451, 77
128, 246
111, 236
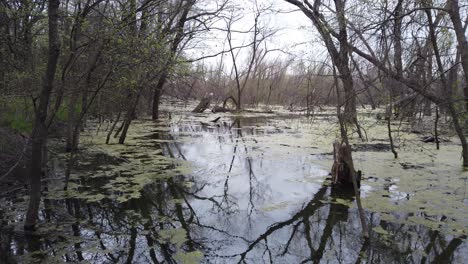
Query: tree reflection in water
215, 215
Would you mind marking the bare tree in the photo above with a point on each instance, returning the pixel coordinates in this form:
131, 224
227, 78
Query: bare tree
339, 54
259, 35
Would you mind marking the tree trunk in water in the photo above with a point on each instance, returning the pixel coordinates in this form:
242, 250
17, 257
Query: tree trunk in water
157, 96
343, 167
180, 34
344, 175
451, 106
461, 135
239, 96
112, 128
341, 170
72, 143
39, 134
126, 125
117, 133
389, 128
128, 119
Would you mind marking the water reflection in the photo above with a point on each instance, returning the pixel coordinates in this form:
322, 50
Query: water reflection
245, 201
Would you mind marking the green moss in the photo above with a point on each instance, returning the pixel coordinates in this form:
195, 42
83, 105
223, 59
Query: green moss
275, 207
176, 236
380, 230
189, 257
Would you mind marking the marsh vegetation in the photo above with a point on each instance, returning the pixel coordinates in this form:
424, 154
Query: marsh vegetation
200, 131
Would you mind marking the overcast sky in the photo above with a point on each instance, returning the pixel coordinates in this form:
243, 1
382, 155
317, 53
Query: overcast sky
294, 33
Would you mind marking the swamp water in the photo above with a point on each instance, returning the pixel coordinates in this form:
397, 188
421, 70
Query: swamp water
250, 188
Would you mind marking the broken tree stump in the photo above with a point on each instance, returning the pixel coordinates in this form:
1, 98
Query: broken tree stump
343, 170
203, 105
345, 177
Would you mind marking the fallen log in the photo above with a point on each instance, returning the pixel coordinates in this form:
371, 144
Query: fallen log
224, 108
220, 109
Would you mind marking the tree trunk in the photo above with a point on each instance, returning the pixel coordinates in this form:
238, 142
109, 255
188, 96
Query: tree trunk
451, 107
157, 95
113, 127
72, 139
117, 132
39, 134
128, 118
342, 63
341, 172
179, 29
389, 128
461, 135
350, 115
203, 105
397, 39
454, 11
239, 99
427, 108
436, 130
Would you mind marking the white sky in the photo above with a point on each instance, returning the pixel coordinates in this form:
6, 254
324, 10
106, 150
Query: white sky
294, 33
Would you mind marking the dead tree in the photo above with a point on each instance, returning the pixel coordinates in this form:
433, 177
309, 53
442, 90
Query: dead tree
444, 102
338, 50
343, 173
203, 105
224, 108
341, 169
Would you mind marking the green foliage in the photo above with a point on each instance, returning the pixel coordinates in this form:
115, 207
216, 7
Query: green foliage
17, 114
20, 123
62, 113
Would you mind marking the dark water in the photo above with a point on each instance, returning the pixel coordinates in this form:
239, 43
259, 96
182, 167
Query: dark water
235, 191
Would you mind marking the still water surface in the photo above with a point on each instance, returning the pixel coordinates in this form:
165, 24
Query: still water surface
246, 189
